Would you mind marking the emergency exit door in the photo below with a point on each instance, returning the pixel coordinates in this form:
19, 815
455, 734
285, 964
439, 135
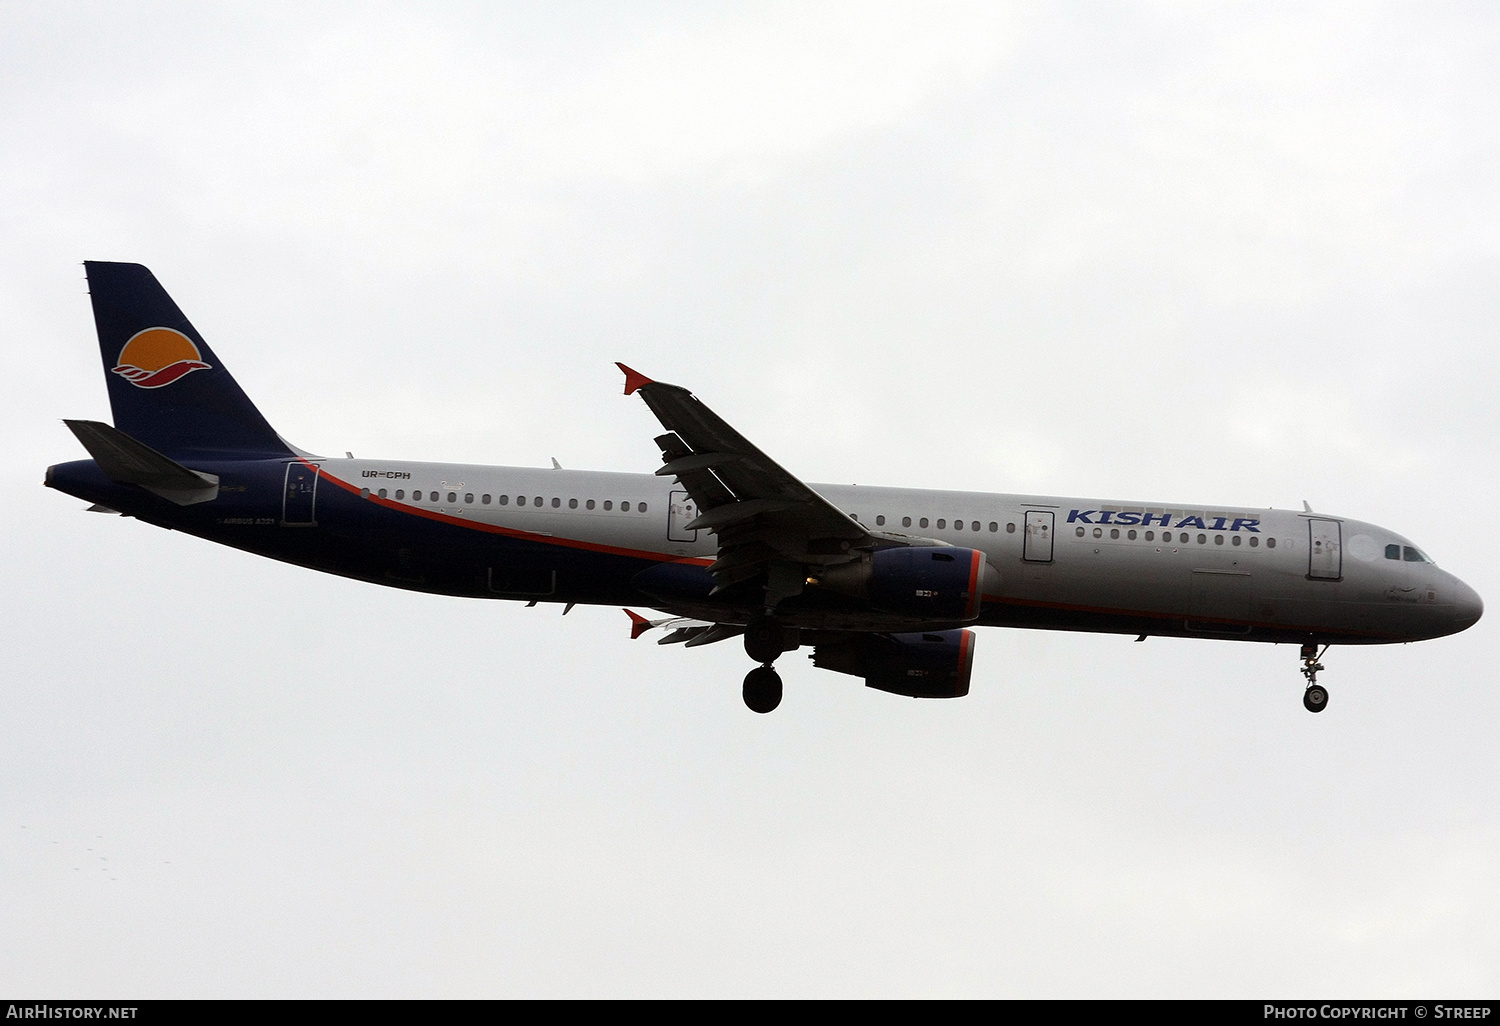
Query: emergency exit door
299, 497
1036, 546
681, 510
1325, 553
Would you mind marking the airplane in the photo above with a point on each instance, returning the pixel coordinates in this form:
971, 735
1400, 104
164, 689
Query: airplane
884, 584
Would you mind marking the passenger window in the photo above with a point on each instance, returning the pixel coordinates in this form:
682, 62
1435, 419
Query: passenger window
879, 521
922, 522
556, 502
1184, 538
572, 503
505, 500
381, 493
485, 498
1151, 536
640, 507
1218, 539
469, 499
975, 526
1079, 532
1114, 532
364, 493
400, 493
1235, 539
994, 526
1202, 539
942, 524
625, 507
1270, 543
1098, 532
906, 521
1254, 541
1130, 535
608, 505
1010, 528
589, 504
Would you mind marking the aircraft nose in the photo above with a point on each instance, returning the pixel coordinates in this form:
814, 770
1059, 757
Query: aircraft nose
1468, 607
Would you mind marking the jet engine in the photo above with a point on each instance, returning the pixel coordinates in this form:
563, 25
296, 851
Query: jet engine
937, 583
933, 664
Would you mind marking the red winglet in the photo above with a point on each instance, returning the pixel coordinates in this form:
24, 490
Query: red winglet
633, 379
638, 624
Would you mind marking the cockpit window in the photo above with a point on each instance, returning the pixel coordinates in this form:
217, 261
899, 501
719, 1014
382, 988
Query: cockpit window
1393, 552
1414, 555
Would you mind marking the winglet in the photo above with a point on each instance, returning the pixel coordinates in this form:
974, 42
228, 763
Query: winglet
633, 380
638, 624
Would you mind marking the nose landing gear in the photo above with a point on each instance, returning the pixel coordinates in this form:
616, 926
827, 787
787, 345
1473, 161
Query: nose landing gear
1315, 698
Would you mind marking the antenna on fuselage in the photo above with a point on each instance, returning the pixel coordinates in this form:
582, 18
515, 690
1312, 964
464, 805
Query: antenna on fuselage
1305, 507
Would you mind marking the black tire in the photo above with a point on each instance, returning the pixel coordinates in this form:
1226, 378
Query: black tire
762, 689
764, 640
1315, 698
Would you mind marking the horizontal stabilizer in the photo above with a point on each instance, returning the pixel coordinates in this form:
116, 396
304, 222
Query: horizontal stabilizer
683, 629
128, 461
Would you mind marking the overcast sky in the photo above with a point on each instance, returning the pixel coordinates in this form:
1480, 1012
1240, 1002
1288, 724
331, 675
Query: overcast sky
1230, 254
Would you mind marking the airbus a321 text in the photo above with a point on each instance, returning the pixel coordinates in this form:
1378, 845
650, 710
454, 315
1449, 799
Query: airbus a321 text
883, 584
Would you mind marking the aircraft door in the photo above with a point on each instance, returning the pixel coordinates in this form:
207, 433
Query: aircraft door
299, 497
681, 510
1325, 555
1036, 546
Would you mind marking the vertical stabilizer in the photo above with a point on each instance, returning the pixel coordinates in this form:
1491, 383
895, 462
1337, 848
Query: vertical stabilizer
167, 388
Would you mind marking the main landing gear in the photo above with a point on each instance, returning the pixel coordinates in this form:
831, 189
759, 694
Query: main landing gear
1315, 698
765, 639
762, 689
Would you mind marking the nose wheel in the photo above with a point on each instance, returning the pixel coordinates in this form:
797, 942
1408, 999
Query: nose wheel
1315, 698
762, 689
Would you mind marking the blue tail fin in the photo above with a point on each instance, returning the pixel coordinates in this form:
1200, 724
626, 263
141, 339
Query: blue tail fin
166, 387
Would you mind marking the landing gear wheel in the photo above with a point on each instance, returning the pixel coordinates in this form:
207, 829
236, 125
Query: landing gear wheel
762, 689
1316, 695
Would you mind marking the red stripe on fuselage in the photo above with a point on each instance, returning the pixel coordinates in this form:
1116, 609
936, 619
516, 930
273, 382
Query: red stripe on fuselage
509, 532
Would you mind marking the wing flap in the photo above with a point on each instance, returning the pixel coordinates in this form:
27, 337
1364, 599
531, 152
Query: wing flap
760, 514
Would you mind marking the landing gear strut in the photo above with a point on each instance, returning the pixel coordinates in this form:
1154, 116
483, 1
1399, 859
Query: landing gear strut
1315, 698
765, 639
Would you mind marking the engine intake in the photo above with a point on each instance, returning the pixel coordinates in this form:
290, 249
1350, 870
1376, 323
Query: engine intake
931, 664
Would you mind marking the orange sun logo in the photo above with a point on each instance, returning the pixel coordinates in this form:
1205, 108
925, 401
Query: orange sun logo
157, 357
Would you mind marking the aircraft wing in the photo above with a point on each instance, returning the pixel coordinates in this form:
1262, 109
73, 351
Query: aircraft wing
765, 520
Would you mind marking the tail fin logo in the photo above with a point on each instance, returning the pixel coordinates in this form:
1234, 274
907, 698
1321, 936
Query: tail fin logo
157, 357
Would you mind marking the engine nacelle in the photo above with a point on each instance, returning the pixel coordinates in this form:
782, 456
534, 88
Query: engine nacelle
932, 664
938, 583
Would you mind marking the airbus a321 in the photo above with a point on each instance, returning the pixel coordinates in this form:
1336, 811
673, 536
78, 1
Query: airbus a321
884, 584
